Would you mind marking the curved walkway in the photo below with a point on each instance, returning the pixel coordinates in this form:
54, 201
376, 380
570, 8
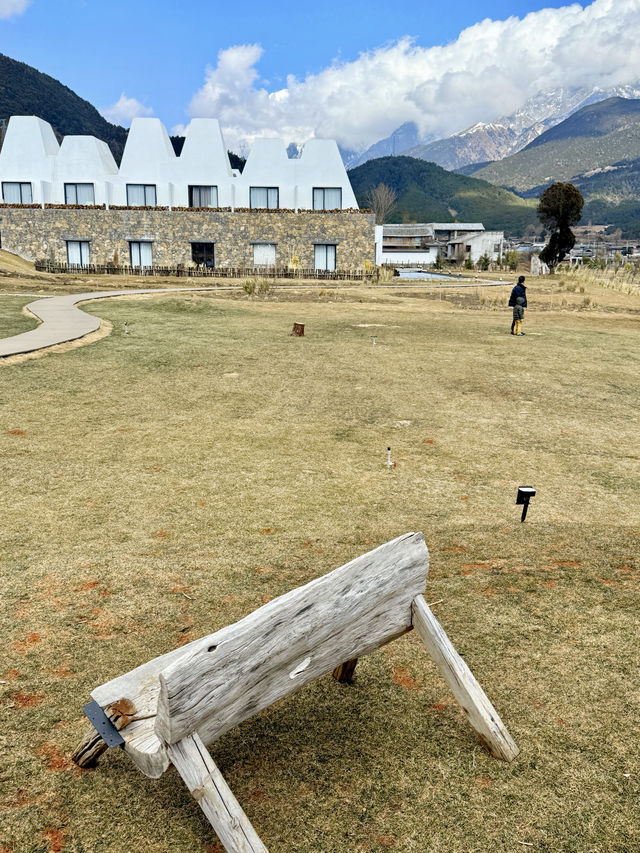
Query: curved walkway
62, 321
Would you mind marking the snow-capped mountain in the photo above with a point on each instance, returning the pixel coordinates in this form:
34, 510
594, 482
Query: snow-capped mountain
404, 137
494, 140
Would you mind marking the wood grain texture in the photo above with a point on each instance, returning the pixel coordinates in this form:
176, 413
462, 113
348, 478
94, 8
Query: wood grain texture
141, 686
91, 747
481, 713
89, 750
203, 778
229, 676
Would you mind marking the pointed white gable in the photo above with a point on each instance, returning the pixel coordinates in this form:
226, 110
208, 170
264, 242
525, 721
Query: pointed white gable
268, 165
84, 158
148, 153
31, 154
203, 162
204, 148
320, 165
28, 154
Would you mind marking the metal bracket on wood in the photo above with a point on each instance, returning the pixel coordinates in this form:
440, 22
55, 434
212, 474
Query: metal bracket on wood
103, 725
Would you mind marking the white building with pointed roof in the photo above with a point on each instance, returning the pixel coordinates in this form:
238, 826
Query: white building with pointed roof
72, 205
35, 169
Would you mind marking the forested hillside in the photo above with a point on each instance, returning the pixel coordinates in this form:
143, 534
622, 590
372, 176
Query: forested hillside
428, 193
25, 91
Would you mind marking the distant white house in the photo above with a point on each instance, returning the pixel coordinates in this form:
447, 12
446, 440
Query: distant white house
422, 243
36, 169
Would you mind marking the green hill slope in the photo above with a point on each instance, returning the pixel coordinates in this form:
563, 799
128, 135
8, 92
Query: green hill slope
595, 137
594, 120
25, 91
428, 193
613, 196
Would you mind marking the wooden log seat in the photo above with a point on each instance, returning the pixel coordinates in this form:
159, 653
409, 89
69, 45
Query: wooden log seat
168, 709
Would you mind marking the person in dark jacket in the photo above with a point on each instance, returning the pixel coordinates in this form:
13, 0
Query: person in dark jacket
518, 317
518, 290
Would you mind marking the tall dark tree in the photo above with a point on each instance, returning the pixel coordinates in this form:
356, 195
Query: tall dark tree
560, 207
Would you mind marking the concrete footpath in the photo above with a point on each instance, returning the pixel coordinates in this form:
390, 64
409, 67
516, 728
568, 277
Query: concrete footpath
62, 320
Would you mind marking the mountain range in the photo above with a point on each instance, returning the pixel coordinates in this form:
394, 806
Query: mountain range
494, 140
596, 137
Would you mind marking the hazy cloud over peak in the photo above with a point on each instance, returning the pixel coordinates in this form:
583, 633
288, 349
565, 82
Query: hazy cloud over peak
9, 8
491, 69
124, 110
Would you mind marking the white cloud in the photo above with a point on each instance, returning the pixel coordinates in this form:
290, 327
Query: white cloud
490, 70
9, 8
124, 110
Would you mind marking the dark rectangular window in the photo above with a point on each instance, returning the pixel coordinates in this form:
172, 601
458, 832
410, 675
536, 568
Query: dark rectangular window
327, 198
325, 257
141, 253
264, 197
141, 195
79, 194
203, 196
78, 253
16, 192
202, 253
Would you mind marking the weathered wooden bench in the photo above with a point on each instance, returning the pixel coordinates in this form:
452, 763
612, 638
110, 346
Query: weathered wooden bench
168, 709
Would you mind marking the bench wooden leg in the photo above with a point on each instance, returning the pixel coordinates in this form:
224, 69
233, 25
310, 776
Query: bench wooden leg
202, 777
89, 749
344, 672
481, 713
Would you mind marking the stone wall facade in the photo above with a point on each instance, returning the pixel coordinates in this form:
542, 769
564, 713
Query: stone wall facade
42, 233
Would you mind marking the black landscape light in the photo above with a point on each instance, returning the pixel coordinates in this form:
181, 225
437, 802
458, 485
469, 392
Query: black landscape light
525, 493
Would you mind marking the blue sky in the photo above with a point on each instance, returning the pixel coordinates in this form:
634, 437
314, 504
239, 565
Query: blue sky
157, 54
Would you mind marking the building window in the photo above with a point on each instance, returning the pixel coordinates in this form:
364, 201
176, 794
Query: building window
141, 195
14, 192
203, 196
327, 198
264, 255
325, 257
202, 253
266, 197
141, 255
78, 253
79, 194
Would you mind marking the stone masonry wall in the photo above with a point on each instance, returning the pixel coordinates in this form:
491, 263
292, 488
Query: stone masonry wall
42, 233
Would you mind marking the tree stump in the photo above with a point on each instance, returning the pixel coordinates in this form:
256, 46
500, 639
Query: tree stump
298, 330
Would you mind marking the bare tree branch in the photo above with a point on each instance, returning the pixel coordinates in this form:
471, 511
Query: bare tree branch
382, 200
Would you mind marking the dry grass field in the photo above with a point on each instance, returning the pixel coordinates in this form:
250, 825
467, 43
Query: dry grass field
161, 483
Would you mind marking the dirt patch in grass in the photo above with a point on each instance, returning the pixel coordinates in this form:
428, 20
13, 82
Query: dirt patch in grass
171, 479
